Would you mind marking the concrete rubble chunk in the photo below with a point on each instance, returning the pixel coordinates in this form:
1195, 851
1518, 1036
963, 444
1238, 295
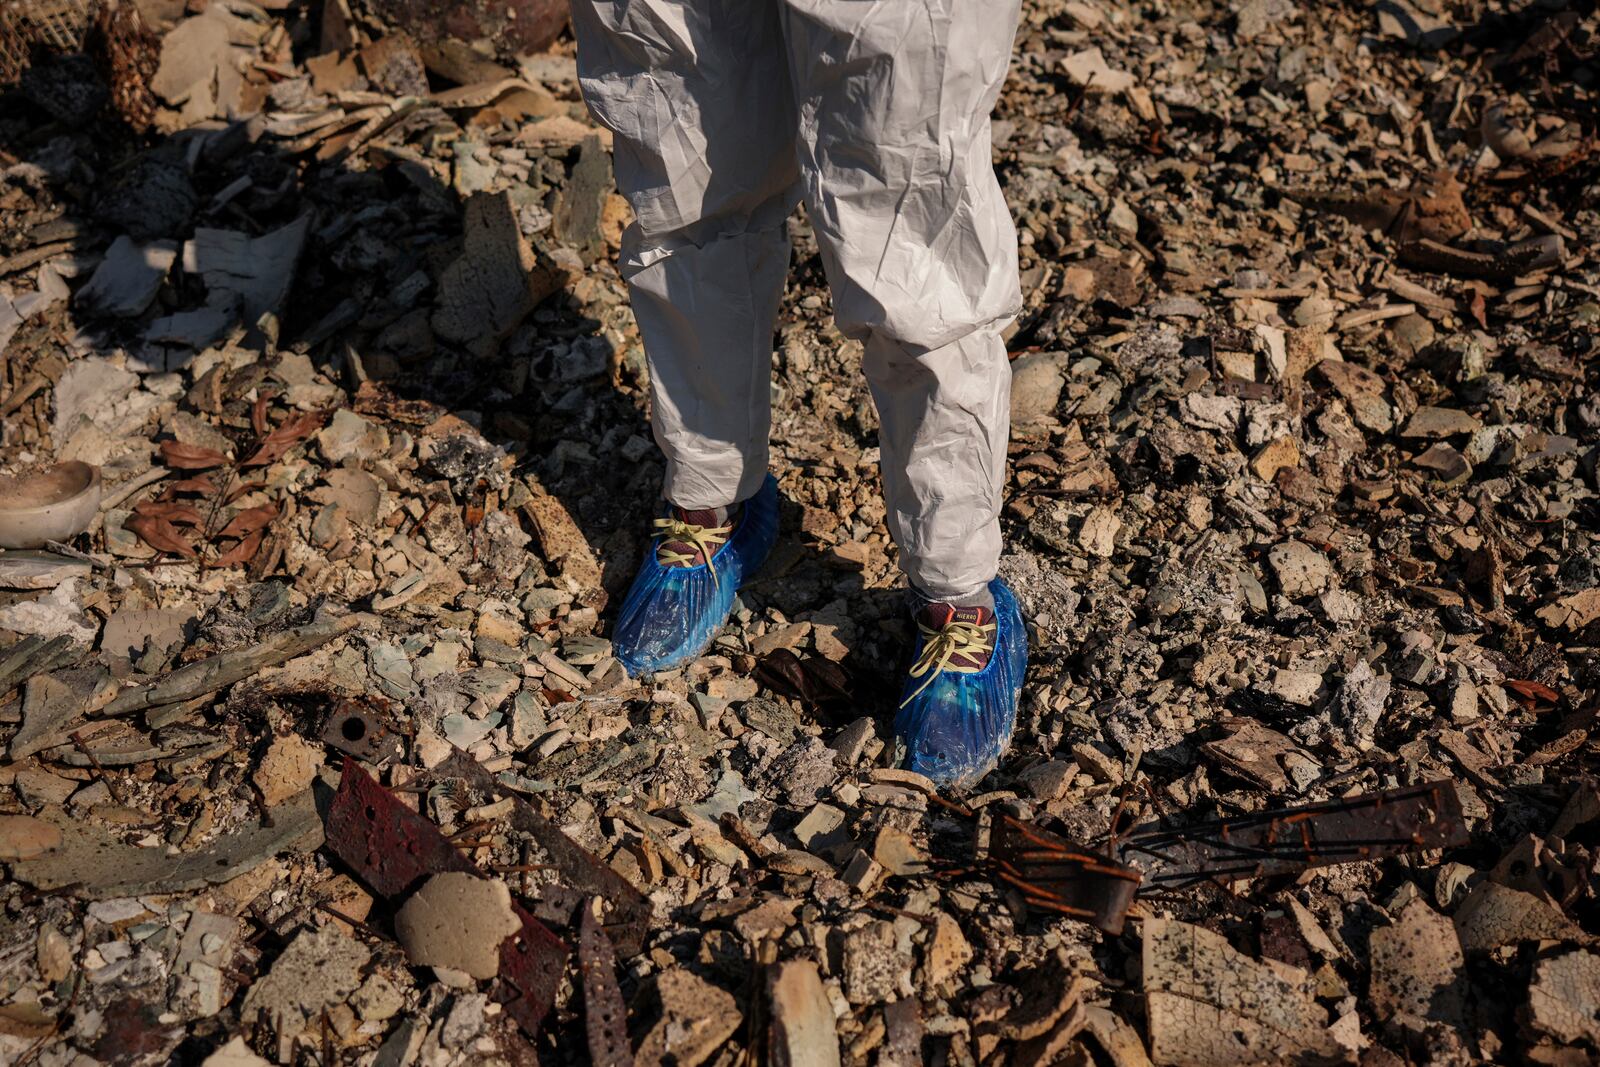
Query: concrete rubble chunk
1352, 717
457, 920
1262, 756
1089, 68
1098, 535
803, 1027
1493, 915
1209, 1005
259, 269
287, 769
1572, 613
235, 1054
1431, 422
128, 631
948, 951
1417, 970
1448, 464
873, 969
58, 613
819, 830
317, 973
696, 1019
497, 280
1563, 997
1036, 384
1115, 1037
1301, 570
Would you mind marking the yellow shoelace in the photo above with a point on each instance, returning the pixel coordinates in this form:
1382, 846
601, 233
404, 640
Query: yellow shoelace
955, 638
706, 539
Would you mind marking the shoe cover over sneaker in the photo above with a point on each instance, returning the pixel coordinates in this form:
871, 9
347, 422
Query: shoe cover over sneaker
960, 700
685, 587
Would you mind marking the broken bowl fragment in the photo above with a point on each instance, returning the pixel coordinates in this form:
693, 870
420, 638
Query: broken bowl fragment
55, 503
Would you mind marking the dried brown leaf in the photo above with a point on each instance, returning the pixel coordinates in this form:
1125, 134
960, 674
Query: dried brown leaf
160, 535
199, 484
169, 511
288, 433
249, 521
1533, 692
815, 680
258, 413
180, 456
242, 489
242, 552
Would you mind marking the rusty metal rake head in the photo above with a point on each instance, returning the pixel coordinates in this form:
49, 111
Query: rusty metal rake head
1048, 871
1056, 875
1290, 840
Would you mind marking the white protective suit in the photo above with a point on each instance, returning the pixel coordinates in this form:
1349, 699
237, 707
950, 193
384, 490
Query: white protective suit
726, 113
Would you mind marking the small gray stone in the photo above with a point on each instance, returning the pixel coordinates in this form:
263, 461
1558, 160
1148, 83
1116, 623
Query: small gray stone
1431, 422
872, 965
319, 969
851, 742
1036, 384
1296, 687
1049, 780
1300, 569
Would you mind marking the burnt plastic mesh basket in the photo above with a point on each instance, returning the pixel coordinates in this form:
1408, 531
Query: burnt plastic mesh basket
110, 32
28, 27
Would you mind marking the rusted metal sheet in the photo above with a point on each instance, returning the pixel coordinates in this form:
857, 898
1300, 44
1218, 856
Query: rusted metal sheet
391, 848
582, 873
513, 27
356, 731
1289, 840
604, 1014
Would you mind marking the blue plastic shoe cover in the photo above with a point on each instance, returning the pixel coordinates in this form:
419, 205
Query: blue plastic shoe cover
672, 613
954, 725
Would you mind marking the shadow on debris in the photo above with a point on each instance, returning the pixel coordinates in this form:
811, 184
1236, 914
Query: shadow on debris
325, 228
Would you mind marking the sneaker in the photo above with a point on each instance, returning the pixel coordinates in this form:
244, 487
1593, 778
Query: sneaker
960, 699
685, 588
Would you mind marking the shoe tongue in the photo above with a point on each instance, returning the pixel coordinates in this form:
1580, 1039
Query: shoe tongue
938, 616
708, 518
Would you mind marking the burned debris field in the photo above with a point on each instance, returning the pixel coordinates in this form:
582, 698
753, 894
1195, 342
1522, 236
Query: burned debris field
325, 464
